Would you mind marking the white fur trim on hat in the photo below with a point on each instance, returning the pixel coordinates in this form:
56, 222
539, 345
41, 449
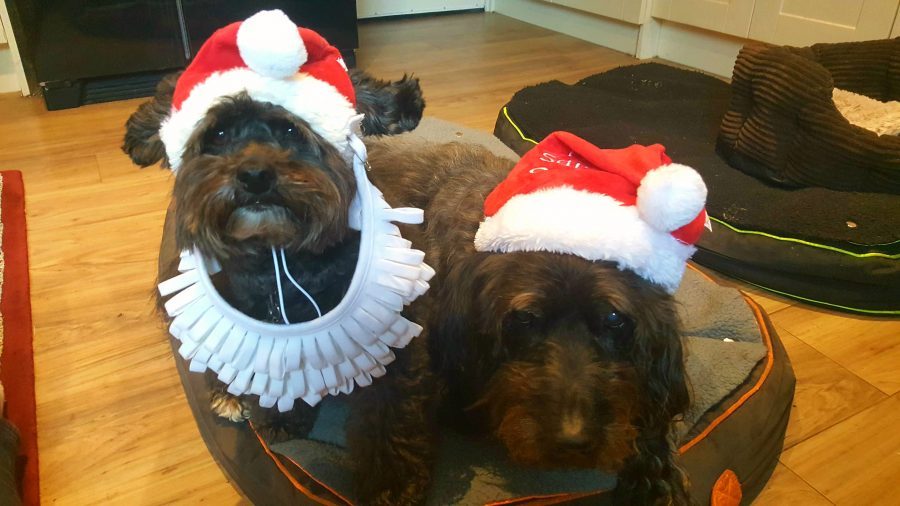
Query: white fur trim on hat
320, 104
590, 225
671, 196
270, 44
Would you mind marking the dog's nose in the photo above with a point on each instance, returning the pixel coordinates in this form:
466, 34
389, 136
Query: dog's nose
256, 180
573, 434
573, 441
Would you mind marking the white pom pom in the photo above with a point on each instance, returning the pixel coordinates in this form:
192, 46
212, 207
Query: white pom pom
270, 44
671, 196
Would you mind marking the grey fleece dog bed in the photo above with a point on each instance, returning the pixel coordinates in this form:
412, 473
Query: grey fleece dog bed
741, 383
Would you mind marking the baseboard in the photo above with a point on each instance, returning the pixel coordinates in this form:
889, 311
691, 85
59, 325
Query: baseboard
712, 52
599, 30
12, 74
9, 80
705, 50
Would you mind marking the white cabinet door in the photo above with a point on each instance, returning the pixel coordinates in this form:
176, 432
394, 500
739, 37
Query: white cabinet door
805, 22
379, 8
626, 10
724, 16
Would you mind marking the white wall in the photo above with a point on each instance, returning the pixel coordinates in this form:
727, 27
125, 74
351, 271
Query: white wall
601, 30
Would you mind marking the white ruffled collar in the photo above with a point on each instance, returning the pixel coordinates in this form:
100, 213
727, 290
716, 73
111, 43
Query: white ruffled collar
348, 346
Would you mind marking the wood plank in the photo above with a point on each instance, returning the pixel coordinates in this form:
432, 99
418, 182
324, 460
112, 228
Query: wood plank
50, 173
855, 462
122, 400
785, 487
98, 203
869, 347
826, 393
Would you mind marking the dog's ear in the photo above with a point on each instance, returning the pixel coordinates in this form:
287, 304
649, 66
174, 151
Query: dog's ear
652, 475
390, 107
142, 143
659, 356
452, 317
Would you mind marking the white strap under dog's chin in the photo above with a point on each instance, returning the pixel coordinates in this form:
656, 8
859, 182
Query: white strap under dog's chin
287, 273
347, 346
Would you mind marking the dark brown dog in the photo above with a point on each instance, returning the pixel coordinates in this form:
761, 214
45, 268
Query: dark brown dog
567, 362
254, 176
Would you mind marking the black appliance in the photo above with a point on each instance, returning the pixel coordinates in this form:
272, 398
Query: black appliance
87, 51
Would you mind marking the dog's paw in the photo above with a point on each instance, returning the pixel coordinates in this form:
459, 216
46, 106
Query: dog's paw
229, 407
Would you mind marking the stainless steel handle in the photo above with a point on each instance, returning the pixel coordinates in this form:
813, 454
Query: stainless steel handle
185, 43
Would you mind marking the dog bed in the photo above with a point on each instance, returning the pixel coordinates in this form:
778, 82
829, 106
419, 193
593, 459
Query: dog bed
811, 116
833, 248
729, 442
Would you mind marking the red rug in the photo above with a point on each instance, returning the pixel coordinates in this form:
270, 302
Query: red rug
16, 359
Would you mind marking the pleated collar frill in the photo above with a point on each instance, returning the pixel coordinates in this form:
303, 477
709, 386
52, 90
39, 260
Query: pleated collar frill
348, 346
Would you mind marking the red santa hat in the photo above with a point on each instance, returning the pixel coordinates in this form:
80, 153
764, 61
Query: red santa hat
630, 206
271, 59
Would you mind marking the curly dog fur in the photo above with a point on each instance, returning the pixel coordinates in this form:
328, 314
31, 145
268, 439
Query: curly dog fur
566, 362
253, 177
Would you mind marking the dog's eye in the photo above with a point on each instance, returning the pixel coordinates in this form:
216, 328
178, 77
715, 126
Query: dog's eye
218, 137
285, 128
613, 320
523, 318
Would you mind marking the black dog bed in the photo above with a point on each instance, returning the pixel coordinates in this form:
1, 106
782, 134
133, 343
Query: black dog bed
832, 248
742, 388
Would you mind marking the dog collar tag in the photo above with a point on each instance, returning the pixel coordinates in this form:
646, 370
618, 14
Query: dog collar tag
346, 347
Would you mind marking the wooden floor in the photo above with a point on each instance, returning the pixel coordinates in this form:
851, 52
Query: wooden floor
114, 427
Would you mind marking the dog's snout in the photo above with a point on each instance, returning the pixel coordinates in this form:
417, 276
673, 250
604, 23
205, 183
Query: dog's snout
573, 434
574, 441
256, 180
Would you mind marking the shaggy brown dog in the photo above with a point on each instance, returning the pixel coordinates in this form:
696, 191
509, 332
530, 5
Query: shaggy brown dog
567, 362
254, 176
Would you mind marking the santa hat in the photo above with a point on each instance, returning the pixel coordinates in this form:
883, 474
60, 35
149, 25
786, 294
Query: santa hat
271, 59
630, 206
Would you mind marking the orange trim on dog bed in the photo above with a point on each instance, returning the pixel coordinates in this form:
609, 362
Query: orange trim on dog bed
556, 498
321, 483
770, 362
290, 477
